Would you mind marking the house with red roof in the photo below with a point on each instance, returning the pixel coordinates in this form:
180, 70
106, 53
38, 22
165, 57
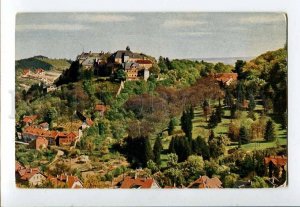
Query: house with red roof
30, 176
18, 166
30, 133
28, 120
144, 63
39, 143
206, 182
40, 71
101, 109
143, 183
226, 78
65, 181
26, 72
66, 138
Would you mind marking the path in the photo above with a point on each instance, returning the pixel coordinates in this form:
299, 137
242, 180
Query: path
59, 154
120, 88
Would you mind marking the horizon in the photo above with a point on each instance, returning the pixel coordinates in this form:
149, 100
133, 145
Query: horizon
174, 35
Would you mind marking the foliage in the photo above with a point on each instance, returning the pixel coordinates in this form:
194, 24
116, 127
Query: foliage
270, 131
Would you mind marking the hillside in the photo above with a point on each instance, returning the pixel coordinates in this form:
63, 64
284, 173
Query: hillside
43, 62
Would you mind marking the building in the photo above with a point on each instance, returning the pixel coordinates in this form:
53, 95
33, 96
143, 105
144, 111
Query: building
137, 183
101, 109
26, 72
225, 78
18, 166
30, 176
206, 182
65, 181
66, 138
88, 60
39, 143
40, 72
28, 120
44, 126
30, 133
146, 64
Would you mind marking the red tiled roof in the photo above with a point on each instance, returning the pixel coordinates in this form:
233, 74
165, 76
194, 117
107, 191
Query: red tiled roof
18, 166
40, 132
143, 62
206, 182
137, 183
27, 173
100, 107
29, 119
89, 122
276, 160
26, 71
39, 70
225, 77
65, 180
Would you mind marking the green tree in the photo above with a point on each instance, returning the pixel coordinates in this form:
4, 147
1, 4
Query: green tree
152, 166
230, 180
172, 160
157, 148
121, 75
243, 135
270, 131
171, 126
258, 182
251, 102
186, 124
213, 120
238, 68
206, 109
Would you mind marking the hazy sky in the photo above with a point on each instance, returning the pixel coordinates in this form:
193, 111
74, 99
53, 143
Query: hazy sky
175, 35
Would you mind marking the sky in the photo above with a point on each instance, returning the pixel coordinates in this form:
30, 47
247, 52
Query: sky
173, 35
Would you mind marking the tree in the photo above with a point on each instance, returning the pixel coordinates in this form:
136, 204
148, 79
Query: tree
200, 147
191, 110
213, 120
243, 136
240, 90
206, 109
152, 166
230, 180
238, 68
216, 147
148, 153
186, 124
171, 126
270, 131
251, 102
162, 65
258, 182
50, 116
157, 148
211, 135
219, 113
172, 160
229, 99
172, 145
120, 74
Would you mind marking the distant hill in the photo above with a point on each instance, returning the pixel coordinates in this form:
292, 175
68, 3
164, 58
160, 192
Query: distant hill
43, 62
225, 60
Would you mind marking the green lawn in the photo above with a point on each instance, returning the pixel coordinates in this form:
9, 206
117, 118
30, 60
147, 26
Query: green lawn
200, 128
